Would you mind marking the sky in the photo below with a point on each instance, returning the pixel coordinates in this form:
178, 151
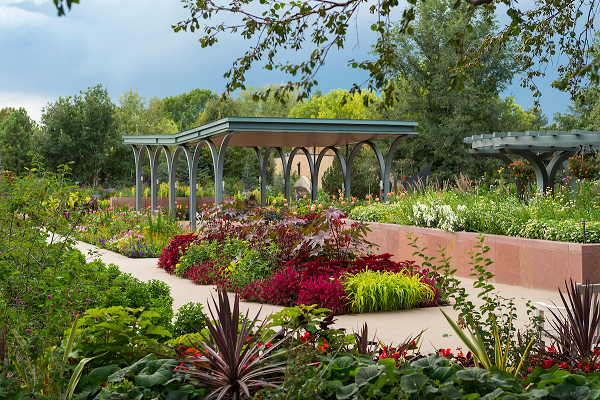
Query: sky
130, 44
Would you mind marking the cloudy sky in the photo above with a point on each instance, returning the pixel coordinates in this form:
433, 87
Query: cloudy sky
130, 44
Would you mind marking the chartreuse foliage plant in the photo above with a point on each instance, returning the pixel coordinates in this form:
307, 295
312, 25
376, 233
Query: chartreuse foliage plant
373, 291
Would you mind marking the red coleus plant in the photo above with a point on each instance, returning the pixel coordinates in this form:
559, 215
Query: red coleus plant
172, 253
324, 292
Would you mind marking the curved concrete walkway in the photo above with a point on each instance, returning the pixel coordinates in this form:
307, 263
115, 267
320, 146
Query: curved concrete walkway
390, 327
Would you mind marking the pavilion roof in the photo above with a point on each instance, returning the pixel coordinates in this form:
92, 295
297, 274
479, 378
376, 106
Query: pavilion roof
282, 132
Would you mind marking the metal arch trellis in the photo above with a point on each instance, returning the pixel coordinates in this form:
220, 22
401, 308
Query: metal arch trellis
535, 147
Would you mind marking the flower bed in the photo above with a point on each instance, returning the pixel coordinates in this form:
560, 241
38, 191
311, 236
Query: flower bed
134, 234
547, 217
280, 259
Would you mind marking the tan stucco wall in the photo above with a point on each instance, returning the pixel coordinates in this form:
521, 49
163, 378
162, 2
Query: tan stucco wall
328, 159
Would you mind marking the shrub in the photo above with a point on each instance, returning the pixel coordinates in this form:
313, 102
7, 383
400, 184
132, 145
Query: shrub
173, 252
207, 273
189, 319
372, 291
283, 288
254, 264
125, 334
254, 291
324, 293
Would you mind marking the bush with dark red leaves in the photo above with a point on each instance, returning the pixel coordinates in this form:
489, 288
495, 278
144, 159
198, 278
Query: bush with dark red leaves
207, 273
172, 253
324, 292
283, 288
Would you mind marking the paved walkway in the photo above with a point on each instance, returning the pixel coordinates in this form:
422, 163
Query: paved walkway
390, 327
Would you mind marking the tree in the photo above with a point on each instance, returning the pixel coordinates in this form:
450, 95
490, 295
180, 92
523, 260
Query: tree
241, 163
185, 108
136, 118
82, 129
550, 29
15, 139
423, 64
337, 104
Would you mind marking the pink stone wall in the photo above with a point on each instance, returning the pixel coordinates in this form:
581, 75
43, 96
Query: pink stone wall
532, 263
162, 202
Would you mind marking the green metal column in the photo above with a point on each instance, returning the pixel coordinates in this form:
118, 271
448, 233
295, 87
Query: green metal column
263, 173
138, 177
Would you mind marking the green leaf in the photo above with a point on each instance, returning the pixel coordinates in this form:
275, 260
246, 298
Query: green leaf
158, 330
570, 392
341, 363
366, 375
473, 374
155, 373
432, 361
346, 392
442, 374
413, 383
494, 395
333, 385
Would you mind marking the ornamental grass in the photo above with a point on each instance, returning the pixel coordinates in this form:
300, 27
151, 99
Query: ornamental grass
373, 291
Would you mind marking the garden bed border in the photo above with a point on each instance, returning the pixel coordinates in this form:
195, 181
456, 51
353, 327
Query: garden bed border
530, 263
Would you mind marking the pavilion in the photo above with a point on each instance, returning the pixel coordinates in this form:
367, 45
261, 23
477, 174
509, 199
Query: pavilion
536, 147
271, 134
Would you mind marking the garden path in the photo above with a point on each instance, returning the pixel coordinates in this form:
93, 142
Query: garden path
390, 327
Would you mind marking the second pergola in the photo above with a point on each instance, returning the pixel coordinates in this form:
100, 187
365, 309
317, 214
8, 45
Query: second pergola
272, 134
536, 147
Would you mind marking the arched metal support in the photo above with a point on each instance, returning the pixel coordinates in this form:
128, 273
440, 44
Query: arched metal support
351, 161
288, 169
138, 177
194, 175
152, 176
219, 167
172, 173
154, 173
388, 168
263, 173
555, 164
315, 177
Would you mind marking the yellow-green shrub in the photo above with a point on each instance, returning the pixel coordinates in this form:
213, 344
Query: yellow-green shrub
372, 291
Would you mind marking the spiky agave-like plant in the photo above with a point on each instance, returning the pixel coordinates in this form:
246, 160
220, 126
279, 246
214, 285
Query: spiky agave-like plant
576, 327
237, 358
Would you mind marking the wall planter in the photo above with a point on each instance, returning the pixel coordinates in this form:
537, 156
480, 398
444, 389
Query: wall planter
162, 202
531, 263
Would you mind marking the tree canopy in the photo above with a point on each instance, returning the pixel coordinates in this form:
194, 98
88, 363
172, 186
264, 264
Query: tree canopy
185, 108
81, 128
549, 29
15, 140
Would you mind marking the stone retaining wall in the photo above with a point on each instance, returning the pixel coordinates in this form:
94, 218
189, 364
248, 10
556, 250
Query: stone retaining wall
531, 263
